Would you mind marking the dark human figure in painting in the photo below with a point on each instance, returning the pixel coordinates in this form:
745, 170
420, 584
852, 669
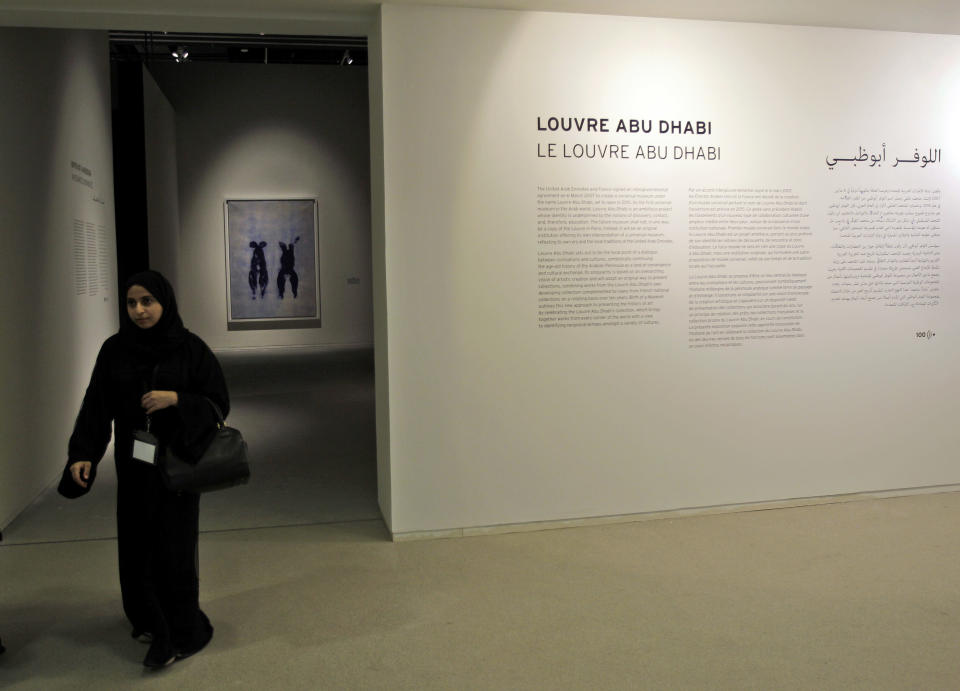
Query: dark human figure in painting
286, 268
151, 381
258, 269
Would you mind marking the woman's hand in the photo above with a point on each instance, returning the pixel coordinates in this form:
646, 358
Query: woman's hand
81, 472
153, 401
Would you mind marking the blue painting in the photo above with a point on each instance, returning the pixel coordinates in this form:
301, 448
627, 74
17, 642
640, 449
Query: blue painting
272, 259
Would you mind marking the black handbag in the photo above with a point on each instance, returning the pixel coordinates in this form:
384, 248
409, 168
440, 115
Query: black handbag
222, 465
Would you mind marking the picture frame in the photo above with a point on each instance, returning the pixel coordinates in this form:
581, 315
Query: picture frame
272, 250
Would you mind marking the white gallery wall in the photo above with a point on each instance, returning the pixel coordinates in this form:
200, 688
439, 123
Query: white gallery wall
59, 255
746, 291
272, 132
377, 236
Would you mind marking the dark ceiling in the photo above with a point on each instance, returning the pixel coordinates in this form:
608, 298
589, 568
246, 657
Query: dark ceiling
157, 46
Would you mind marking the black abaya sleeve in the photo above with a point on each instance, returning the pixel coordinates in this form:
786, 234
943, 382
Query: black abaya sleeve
92, 430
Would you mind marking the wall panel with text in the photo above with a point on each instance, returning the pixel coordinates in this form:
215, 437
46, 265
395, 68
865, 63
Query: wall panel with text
654, 264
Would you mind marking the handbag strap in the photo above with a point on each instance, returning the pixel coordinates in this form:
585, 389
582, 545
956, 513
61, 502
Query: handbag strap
216, 409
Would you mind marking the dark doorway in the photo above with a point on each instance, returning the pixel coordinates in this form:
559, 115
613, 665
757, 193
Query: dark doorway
306, 409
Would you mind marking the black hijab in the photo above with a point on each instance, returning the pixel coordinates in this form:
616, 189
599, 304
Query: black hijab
168, 333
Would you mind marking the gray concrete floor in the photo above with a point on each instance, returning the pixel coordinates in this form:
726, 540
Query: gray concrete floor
308, 419
855, 595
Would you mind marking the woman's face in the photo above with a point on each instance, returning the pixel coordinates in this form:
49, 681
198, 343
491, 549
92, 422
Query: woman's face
143, 308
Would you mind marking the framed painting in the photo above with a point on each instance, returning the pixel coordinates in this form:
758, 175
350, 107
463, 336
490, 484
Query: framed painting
272, 254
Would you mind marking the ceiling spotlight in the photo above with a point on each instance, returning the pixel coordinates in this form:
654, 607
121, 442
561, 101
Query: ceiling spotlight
180, 53
346, 59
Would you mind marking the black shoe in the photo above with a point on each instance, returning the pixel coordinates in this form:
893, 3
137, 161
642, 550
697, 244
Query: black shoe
1, 647
142, 636
161, 654
200, 644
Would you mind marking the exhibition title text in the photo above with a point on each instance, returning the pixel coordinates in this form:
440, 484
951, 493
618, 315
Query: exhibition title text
626, 126
574, 124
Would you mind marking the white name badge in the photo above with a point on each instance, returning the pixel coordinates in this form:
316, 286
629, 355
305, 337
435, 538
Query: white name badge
144, 447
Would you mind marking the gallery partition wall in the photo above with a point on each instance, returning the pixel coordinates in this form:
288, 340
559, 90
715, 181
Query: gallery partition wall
653, 264
56, 216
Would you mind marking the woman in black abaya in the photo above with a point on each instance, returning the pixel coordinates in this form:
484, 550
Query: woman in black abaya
153, 377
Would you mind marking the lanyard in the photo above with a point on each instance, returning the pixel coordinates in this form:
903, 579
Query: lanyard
152, 386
